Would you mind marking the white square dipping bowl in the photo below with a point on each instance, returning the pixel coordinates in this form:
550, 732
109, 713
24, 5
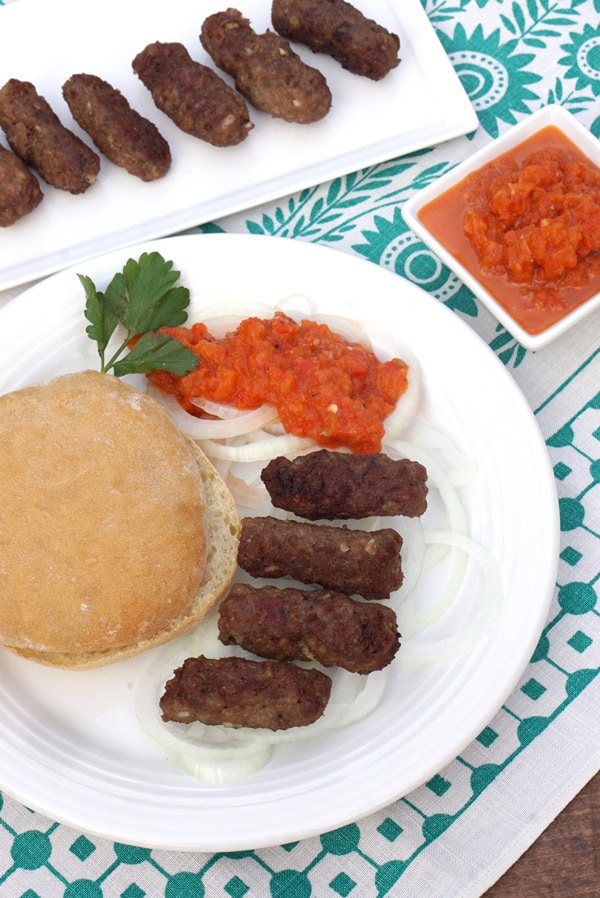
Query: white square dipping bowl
548, 116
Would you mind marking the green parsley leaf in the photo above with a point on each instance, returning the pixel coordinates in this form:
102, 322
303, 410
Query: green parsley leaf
142, 298
100, 315
154, 352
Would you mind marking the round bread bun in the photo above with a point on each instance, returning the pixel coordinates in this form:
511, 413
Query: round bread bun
117, 534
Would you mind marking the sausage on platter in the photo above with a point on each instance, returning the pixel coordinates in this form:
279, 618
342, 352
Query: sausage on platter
36, 134
269, 74
193, 95
120, 132
20, 192
316, 625
339, 29
239, 692
360, 562
339, 485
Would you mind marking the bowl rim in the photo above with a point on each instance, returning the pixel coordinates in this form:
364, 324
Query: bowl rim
589, 145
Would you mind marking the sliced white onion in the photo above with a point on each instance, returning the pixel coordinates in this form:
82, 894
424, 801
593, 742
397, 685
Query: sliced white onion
417, 653
297, 306
240, 425
223, 467
222, 771
223, 317
276, 429
213, 754
215, 409
414, 615
436, 477
260, 450
459, 468
244, 494
386, 348
349, 328
210, 754
214, 429
413, 555
406, 407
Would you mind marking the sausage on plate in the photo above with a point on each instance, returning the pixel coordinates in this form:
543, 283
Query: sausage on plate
360, 562
20, 192
317, 625
36, 134
339, 485
339, 29
269, 74
120, 132
193, 95
238, 692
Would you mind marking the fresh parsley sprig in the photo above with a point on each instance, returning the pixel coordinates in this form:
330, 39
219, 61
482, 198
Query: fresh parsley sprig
142, 298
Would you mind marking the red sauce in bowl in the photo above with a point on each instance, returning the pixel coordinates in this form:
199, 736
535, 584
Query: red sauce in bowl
527, 226
323, 386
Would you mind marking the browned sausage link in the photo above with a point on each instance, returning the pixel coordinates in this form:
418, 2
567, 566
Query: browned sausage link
348, 561
20, 191
339, 29
317, 625
265, 68
36, 134
192, 95
238, 692
122, 134
338, 485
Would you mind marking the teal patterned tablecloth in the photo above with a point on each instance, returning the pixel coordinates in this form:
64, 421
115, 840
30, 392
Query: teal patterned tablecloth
458, 833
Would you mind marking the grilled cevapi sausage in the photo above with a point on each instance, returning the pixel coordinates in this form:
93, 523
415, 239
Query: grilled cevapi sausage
339, 29
124, 136
315, 625
193, 95
238, 692
360, 562
20, 192
269, 74
339, 485
38, 137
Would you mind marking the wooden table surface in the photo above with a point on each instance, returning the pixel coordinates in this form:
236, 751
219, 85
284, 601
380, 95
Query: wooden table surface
565, 860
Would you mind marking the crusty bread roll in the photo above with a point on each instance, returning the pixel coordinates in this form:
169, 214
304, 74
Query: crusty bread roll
116, 532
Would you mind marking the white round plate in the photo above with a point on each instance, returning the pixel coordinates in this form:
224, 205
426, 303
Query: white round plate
70, 744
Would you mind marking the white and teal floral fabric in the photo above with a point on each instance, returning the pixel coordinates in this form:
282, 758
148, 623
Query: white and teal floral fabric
456, 834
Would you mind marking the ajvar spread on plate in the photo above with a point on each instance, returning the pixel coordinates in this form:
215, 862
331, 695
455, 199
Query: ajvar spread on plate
531, 228
323, 386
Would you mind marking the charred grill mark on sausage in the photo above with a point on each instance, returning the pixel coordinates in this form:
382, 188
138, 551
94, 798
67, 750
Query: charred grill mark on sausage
337, 28
120, 132
20, 192
318, 625
193, 95
239, 692
337, 485
38, 137
271, 76
338, 558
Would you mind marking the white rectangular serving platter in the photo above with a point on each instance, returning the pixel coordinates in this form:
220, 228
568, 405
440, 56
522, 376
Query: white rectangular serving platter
419, 104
